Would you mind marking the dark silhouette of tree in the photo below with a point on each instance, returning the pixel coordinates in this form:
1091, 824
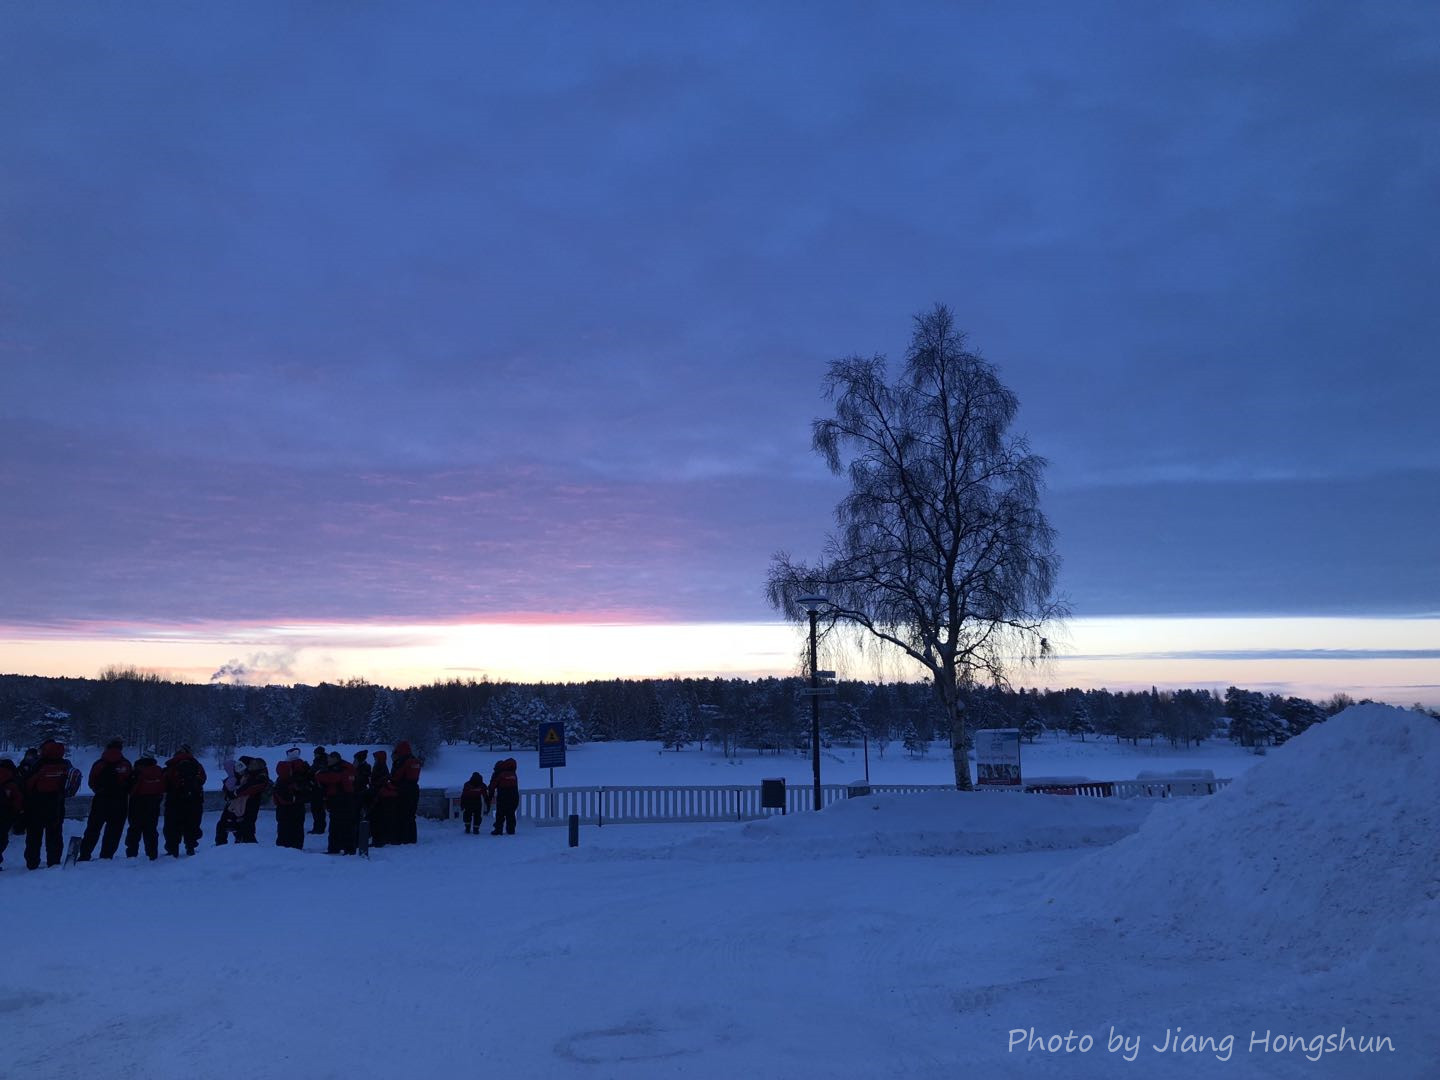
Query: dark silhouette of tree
941, 549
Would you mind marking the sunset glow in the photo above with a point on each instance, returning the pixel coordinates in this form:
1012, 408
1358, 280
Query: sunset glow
1388, 659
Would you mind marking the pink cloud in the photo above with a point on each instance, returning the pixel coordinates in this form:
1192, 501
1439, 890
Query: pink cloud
127, 537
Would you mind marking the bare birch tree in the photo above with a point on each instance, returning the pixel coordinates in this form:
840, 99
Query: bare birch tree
941, 548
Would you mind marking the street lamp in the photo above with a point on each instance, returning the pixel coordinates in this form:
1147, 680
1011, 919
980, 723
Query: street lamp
812, 604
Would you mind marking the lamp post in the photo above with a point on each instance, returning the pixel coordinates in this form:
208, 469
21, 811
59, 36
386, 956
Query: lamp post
812, 605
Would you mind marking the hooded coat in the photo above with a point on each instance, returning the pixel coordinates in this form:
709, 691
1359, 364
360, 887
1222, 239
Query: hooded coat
475, 795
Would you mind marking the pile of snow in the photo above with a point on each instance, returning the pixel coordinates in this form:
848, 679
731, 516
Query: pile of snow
1325, 850
929, 823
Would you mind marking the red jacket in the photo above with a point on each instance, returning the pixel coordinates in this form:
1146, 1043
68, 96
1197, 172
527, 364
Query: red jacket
474, 794
184, 776
111, 774
49, 780
147, 780
504, 777
294, 783
405, 773
337, 779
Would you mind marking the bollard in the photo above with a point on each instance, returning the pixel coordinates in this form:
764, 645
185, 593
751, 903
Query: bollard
574, 830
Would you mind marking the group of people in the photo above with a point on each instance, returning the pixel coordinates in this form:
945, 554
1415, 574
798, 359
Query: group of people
379, 799
382, 798
502, 792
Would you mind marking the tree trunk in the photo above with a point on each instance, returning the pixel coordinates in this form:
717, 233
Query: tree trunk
960, 753
949, 696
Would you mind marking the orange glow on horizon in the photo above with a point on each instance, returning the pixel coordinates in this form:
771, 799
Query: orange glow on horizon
1388, 659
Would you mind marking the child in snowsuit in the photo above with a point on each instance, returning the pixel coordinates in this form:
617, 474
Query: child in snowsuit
474, 802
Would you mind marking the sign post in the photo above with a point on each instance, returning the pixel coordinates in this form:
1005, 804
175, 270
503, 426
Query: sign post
550, 742
997, 757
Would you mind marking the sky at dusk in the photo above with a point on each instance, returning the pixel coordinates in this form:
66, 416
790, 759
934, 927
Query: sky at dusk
414, 341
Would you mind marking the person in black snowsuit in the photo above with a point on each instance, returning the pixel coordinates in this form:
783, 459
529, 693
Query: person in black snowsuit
405, 778
29, 762
294, 786
363, 773
184, 801
45, 791
110, 781
319, 760
147, 790
337, 780
505, 791
382, 802
12, 799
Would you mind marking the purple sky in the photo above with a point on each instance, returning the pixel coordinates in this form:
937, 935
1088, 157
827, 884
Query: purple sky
473, 311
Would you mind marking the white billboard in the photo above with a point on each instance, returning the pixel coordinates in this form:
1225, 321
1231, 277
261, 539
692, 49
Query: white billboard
997, 757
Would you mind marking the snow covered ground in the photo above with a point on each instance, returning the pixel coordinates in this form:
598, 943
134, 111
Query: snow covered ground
617, 764
899, 936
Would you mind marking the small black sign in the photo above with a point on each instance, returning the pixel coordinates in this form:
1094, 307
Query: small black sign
772, 794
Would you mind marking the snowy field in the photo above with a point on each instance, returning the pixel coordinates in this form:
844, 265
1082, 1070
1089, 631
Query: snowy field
639, 763
903, 936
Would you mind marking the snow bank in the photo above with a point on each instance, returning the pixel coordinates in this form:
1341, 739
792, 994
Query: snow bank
930, 823
1325, 850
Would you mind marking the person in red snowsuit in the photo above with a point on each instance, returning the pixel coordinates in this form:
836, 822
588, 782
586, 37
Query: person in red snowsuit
184, 801
474, 802
110, 781
405, 776
505, 791
147, 789
45, 791
337, 780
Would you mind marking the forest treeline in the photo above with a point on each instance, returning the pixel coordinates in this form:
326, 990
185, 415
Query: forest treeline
731, 715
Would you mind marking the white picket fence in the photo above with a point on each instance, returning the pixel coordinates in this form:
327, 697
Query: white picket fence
652, 805
645, 805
